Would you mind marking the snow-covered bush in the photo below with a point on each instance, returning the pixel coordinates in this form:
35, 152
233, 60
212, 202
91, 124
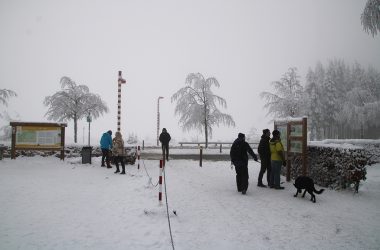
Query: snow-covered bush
333, 167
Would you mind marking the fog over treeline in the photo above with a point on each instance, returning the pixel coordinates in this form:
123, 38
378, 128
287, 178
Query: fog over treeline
340, 100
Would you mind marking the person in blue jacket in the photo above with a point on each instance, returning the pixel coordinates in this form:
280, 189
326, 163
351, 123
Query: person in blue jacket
106, 146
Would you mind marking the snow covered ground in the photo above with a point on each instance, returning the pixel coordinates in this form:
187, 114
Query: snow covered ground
51, 204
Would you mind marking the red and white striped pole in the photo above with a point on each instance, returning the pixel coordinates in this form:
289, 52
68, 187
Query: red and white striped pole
138, 157
160, 184
158, 119
119, 82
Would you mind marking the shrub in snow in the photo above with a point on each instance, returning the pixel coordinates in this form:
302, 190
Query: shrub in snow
337, 168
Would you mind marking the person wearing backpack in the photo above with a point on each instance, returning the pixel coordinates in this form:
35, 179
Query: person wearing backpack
239, 158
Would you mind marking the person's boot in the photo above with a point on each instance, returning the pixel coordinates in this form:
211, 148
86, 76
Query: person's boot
123, 171
108, 164
103, 164
261, 185
117, 170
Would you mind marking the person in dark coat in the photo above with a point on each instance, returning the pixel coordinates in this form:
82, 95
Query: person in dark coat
239, 159
264, 153
106, 146
165, 139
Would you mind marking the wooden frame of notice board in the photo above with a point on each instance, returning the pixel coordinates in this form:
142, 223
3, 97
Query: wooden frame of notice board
294, 139
38, 136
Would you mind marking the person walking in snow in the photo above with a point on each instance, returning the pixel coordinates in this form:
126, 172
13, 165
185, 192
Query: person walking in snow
264, 153
277, 159
165, 139
106, 146
118, 152
239, 159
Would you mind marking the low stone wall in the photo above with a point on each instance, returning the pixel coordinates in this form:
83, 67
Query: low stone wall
70, 151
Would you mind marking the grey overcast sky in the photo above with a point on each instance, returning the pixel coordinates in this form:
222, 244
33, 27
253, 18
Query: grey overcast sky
245, 44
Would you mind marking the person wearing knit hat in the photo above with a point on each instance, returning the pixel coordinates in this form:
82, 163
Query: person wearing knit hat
239, 159
277, 159
264, 153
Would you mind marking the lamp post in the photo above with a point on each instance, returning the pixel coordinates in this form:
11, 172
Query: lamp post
89, 119
158, 118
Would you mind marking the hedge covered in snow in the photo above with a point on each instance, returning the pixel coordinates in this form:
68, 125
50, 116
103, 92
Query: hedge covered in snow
338, 164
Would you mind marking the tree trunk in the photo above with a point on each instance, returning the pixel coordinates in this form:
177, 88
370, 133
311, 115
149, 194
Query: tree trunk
75, 128
205, 122
206, 136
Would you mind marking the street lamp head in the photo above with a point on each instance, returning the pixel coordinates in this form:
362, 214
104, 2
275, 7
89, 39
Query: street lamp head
160, 97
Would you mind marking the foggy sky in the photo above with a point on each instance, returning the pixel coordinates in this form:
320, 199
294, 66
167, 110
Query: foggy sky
246, 45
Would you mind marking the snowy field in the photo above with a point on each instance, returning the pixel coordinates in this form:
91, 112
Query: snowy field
51, 204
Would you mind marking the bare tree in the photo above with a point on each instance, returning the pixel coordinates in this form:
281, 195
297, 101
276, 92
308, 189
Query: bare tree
196, 105
371, 17
73, 102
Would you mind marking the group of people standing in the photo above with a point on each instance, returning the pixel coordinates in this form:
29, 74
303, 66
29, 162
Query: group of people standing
271, 152
115, 147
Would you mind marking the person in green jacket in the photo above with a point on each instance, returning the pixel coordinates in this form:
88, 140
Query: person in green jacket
277, 159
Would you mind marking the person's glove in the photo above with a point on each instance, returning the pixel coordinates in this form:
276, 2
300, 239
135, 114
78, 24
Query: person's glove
255, 158
284, 163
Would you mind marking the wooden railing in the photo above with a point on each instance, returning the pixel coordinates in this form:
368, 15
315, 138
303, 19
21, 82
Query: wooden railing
254, 144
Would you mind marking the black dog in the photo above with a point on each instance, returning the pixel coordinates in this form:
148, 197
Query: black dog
304, 182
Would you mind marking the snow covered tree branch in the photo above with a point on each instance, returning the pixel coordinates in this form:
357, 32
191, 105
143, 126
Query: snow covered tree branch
370, 17
196, 105
5, 94
73, 102
287, 99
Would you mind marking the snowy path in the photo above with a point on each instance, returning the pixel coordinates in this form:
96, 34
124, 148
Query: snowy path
50, 204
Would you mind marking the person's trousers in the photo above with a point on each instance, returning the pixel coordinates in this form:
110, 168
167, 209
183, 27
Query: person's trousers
275, 173
241, 175
121, 160
105, 156
265, 166
165, 151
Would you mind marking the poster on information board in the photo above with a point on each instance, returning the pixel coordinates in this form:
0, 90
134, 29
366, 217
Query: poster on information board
38, 137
